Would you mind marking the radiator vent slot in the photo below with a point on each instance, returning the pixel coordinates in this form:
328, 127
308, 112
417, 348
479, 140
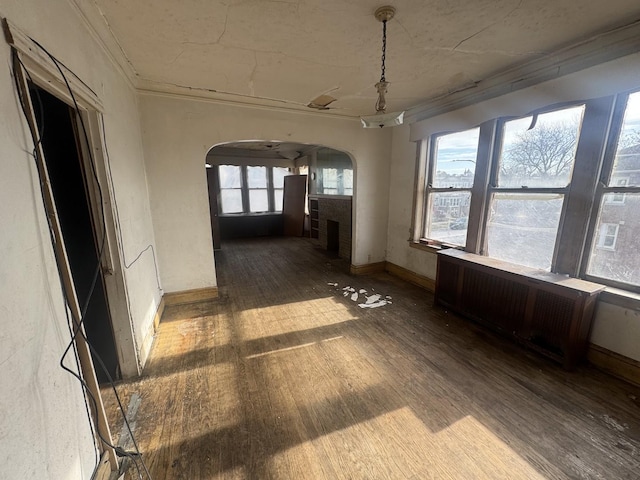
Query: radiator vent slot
497, 298
551, 312
448, 279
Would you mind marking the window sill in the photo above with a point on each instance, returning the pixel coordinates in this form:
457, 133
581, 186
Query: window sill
260, 214
431, 248
621, 298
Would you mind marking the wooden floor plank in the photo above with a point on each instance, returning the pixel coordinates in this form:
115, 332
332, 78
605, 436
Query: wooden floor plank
283, 377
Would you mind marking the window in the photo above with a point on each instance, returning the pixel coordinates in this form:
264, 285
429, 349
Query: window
618, 198
557, 190
608, 236
450, 179
230, 189
258, 194
613, 257
251, 189
531, 176
278, 187
334, 172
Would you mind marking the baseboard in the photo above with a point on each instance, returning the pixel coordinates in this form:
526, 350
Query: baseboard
191, 296
614, 364
368, 268
159, 312
147, 343
411, 277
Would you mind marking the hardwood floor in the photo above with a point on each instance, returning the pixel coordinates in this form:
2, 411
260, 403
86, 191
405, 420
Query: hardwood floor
284, 377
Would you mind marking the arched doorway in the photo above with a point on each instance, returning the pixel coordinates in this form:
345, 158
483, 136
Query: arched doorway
269, 188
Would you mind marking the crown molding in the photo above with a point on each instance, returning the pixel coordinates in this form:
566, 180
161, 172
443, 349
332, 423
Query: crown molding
151, 88
97, 26
597, 49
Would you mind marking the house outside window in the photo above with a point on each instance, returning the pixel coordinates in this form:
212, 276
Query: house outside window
613, 257
608, 235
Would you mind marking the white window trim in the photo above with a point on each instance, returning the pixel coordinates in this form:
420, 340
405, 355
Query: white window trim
603, 234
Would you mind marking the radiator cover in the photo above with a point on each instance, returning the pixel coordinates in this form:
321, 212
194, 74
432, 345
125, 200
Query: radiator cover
550, 313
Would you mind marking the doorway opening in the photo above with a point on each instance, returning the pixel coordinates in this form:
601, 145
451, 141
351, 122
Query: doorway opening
269, 188
69, 178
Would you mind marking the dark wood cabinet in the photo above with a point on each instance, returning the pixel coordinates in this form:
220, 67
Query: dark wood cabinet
548, 312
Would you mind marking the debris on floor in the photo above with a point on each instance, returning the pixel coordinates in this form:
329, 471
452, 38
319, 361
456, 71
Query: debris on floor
374, 300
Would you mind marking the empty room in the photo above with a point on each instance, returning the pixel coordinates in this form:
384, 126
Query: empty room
320, 239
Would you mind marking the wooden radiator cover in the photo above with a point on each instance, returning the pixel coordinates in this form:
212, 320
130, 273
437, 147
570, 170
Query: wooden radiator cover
550, 313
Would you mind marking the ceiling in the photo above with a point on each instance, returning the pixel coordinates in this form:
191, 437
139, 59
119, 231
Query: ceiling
289, 52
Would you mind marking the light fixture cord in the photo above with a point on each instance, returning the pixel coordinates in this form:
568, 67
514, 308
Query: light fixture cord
384, 48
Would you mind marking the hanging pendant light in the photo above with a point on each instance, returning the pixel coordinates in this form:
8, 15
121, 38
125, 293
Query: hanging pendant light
381, 117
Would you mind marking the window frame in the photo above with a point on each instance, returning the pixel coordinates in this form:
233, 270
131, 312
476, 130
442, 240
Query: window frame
430, 190
603, 234
603, 188
494, 170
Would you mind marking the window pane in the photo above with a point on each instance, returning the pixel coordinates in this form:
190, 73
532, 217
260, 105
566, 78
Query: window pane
522, 228
626, 166
541, 156
257, 177
258, 201
278, 176
278, 198
329, 179
455, 159
614, 254
231, 201
448, 217
347, 181
229, 176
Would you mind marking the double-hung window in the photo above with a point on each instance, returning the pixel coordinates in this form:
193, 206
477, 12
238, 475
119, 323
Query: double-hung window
557, 190
615, 240
529, 182
450, 179
258, 192
278, 187
230, 179
251, 189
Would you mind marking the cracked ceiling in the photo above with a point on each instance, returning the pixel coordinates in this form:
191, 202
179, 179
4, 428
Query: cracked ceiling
292, 52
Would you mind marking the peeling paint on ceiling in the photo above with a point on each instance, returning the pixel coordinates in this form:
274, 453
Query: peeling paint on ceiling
295, 51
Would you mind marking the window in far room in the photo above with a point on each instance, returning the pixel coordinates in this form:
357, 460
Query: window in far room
258, 193
251, 189
230, 189
278, 187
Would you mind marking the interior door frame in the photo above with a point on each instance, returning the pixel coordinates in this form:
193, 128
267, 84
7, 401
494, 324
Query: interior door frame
32, 64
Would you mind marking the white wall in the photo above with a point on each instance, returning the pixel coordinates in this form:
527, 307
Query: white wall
44, 430
178, 132
615, 328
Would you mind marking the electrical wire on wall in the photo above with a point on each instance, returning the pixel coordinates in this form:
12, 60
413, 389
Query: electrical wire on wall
127, 266
77, 328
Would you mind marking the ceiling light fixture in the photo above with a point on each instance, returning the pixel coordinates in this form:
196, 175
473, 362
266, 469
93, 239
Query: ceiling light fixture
381, 117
